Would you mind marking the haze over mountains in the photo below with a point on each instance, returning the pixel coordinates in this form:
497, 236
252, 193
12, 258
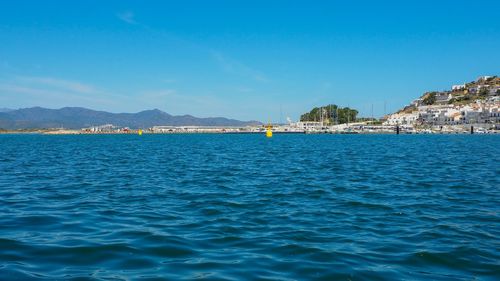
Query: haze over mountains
78, 117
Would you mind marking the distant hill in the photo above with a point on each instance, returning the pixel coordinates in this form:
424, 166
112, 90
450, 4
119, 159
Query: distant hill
5, 109
78, 117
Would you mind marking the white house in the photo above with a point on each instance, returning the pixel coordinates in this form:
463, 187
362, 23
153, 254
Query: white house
477, 89
484, 78
437, 114
457, 87
402, 118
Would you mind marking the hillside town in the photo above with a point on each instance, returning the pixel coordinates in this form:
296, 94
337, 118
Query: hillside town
471, 104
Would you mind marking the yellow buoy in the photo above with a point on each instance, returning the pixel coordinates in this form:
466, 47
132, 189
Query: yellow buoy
139, 132
269, 132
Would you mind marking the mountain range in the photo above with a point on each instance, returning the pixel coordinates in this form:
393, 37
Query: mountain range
78, 117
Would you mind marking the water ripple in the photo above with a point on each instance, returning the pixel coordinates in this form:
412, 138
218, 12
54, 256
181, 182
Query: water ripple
231, 207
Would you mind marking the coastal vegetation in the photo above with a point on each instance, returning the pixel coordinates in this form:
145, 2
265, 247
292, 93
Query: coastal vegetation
330, 114
480, 89
429, 98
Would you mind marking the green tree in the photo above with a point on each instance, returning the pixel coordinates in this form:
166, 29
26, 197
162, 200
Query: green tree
429, 99
483, 92
331, 113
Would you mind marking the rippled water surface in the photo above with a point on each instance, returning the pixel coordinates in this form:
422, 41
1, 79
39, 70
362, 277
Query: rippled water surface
243, 207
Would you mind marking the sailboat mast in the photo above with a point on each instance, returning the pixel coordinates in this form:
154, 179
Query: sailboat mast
372, 113
321, 115
348, 113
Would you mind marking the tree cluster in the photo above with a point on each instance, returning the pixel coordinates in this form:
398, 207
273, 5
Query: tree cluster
330, 114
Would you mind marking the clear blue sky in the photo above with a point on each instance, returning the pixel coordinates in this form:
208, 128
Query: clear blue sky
241, 59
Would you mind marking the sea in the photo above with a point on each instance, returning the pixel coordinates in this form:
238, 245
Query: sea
247, 207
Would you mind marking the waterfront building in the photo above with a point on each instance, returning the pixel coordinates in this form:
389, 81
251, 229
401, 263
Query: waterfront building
107, 128
402, 118
480, 112
307, 125
454, 107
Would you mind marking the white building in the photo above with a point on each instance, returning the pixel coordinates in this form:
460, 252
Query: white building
307, 125
477, 89
494, 115
443, 97
402, 118
458, 87
102, 128
484, 78
418, 102
437, 114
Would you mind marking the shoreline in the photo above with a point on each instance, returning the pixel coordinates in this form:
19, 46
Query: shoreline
361, 129
244, 133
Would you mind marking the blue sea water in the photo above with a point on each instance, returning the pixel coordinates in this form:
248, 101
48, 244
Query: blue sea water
244, 207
